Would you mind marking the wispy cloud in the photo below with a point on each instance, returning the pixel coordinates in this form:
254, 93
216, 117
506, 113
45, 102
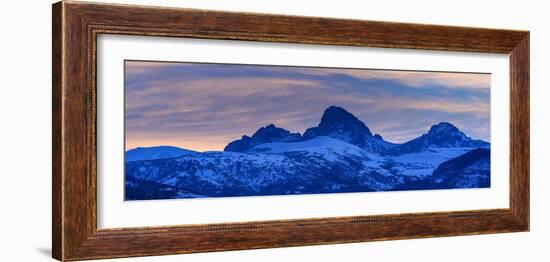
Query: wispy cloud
412, 78
204, 106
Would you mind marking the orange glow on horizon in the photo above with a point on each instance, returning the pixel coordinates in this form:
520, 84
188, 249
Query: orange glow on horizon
197, 145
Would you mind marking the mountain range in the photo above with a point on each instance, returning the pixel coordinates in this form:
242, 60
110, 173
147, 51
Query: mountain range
340, 154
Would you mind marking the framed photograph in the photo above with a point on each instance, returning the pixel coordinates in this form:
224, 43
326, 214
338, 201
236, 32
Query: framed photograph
181, 130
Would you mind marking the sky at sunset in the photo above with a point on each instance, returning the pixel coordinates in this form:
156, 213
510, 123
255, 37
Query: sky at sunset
203, 107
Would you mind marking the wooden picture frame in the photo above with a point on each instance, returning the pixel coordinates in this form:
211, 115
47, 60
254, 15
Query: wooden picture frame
76, 26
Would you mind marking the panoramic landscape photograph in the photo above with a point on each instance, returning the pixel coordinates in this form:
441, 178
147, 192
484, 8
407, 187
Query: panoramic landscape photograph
203, 130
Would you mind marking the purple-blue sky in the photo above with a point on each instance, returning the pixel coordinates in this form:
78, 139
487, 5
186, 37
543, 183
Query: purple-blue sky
204, 106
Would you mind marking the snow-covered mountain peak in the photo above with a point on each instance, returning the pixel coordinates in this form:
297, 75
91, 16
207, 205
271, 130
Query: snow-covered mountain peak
266, 134
444, 128
337, 123
272, 133
340, 124
156, 152
444, 135
336, 117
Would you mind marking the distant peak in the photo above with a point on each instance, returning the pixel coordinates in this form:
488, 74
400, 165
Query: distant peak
443, 127
338, 123
266, 134
336, 110
444, 124
155, 152
335, 114
271, 128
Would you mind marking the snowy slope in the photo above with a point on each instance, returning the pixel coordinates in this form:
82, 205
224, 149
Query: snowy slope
469, 170
423, 163
323, 165
325, 146
320, 165
157, 152
340, 124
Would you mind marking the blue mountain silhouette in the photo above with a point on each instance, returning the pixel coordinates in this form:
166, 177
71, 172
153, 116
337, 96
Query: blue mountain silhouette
340, 154
340, 124
443, 135
266, 134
